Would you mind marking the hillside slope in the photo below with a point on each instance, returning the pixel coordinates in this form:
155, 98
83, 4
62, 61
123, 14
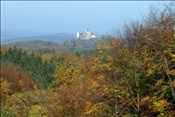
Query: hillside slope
72, 44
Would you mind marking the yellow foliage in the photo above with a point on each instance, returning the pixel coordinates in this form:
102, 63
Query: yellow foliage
21, 84
172, 72
88, 108
4, 86
161, 105
150, 72
65, 73
93, 110
35, 111
159, 82
173, 56
4, 89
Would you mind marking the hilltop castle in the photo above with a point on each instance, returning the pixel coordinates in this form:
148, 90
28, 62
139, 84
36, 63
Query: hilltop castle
85, 35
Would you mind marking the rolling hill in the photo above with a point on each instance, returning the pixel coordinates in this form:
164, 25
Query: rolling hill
71, 44
56, 37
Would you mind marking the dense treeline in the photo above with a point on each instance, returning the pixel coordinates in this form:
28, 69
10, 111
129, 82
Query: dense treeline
131, 76
40, 64
72, 44
78, 44
28, 45
40, 70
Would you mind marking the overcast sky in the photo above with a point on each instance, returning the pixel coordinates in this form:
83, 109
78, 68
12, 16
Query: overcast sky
70, 16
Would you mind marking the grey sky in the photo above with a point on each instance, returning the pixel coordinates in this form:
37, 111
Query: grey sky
70, 16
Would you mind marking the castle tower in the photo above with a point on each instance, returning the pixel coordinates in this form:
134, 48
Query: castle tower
86, 29
78, 35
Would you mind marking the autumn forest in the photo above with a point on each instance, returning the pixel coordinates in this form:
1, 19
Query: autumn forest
128, 75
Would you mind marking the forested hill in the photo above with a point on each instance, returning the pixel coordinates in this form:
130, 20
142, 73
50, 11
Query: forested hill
72, 44
38, 44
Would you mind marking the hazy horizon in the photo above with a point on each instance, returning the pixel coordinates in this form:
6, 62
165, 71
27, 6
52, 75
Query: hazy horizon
44, 17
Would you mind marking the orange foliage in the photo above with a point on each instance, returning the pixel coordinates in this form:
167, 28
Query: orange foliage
18, 79
3, 49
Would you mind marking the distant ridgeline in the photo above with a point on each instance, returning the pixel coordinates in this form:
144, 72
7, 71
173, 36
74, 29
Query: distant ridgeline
85, 35
83, 41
